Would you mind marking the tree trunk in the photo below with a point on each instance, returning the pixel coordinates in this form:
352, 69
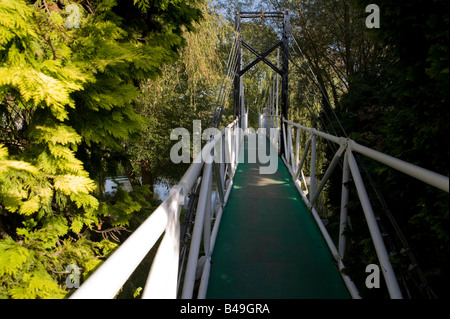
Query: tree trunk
131, 173
147, 176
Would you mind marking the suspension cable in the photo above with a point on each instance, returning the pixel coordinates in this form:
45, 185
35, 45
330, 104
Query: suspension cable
325, 96
227, 80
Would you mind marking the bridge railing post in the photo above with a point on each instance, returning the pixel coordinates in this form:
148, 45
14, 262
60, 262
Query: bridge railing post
377, 238
297, 152
290, 146
329, 171
343, 223
199, 227
283, 141
312, 174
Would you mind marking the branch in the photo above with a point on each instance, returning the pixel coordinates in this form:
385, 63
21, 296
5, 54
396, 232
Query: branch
51, 21
46, 7
64, 271
88, 5
111, 232
55, 56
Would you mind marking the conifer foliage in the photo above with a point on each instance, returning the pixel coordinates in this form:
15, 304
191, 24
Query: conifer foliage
69, 75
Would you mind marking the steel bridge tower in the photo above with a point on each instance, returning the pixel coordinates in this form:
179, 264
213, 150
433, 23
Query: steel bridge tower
283, 72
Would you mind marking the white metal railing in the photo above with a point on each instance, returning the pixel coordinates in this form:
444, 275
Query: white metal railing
218, 159
346, 148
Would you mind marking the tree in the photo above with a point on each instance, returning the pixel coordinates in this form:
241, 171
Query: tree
68, 81
186, 91
415, 124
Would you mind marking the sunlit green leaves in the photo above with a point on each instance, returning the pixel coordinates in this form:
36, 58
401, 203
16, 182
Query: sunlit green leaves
13, 256
17, 27
66, 102
6, 164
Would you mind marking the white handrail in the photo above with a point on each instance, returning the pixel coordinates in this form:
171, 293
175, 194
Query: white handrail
162, 281
106, 281
422, 174
348, 145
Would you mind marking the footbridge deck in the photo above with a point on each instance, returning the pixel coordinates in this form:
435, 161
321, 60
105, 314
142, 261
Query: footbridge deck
268, 244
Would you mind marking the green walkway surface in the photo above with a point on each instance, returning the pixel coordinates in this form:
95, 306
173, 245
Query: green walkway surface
268, 245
